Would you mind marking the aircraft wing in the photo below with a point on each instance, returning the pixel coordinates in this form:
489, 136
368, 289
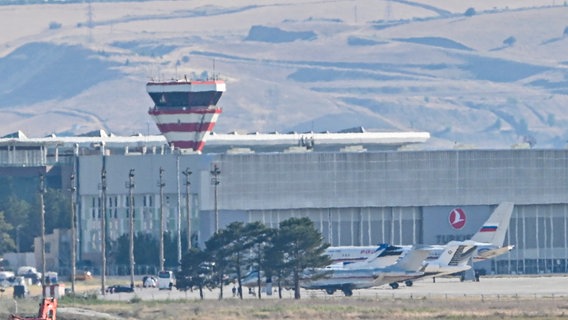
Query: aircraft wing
483, 254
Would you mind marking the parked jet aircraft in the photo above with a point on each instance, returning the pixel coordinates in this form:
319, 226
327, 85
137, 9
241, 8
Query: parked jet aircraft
446, 263
353, 266
364, 274
371, 272
492, 234
251, 278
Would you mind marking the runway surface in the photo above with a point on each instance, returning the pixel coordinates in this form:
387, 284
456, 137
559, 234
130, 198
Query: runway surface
488, 288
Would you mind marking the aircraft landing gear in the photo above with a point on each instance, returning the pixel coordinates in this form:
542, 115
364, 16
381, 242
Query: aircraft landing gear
394, 285
348, 292
330, 291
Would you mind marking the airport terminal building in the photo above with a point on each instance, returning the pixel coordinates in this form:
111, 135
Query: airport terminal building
359, 188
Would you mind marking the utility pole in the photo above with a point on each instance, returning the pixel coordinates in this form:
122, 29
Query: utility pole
42, 222
178, 220
73, 189
103, 230
215, 172
131, 224
162, 184
187, 173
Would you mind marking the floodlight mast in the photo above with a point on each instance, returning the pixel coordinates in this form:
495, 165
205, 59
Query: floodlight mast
131, 224
215, 172
162, 184
187, 173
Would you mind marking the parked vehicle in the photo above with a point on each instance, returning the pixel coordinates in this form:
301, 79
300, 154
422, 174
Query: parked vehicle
119, 288
83, 276
166, 280
30, 273
6, 278
149, 282
20, 288
51, 277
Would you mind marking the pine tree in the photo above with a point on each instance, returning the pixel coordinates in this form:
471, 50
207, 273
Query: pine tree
260, 238
195, 271
218, 251
303, 248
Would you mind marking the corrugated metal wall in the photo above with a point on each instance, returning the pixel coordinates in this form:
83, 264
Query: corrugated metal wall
390, 179
358, 198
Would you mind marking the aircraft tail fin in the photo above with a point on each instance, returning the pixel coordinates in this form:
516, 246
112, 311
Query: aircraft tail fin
412, 260
457, 253
378, 252
494, 229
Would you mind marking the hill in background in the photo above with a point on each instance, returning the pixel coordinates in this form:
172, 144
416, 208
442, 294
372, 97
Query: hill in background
482, 73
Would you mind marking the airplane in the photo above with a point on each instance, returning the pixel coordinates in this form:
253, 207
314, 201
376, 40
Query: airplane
251, 278
372, 273
490, 239
364, 274
455, 258
350, 254
355, 262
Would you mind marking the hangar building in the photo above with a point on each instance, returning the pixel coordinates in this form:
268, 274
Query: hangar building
359, 188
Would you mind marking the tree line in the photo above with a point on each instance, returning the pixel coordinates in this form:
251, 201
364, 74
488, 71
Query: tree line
20, 212
280, 255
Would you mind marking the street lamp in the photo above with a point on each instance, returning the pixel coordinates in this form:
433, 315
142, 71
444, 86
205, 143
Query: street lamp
215, 172
73, 189
161, 184
131, 224
103, 230
42, 222
178, 220
187, 173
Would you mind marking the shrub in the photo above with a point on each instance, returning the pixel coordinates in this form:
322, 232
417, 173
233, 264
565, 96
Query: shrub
469, 12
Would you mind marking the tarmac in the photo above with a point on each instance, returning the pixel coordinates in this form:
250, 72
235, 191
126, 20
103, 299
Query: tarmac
524, 289
488, 288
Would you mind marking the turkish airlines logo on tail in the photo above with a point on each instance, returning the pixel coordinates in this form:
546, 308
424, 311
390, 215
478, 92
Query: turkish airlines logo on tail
457, 218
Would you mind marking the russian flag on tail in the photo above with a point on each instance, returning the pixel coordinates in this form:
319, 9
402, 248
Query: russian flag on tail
488, 228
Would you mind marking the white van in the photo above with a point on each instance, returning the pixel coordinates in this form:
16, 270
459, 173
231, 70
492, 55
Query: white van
6, 278
166, 280
30, 273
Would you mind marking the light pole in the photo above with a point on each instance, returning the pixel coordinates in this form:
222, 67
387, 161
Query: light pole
178, 220
73, 188
215, 172
103, 230
42, 222
187, 173
131, 224
161, 184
